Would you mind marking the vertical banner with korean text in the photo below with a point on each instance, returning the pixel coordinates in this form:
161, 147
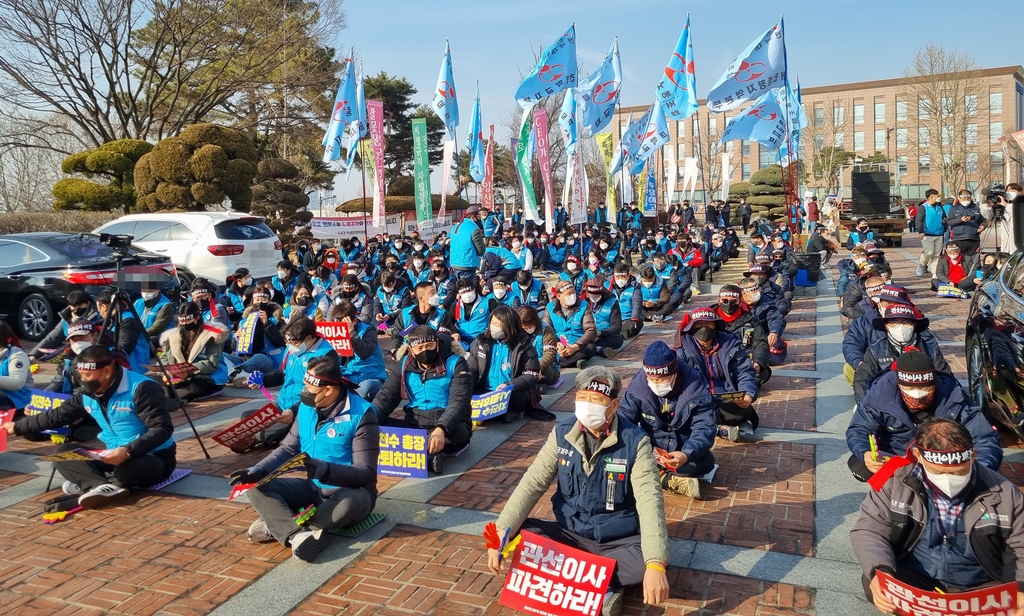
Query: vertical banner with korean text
578, 211
540, 126
605, 143
487, 188
421, 171
524, 165
446, 174
651, 191
375, 125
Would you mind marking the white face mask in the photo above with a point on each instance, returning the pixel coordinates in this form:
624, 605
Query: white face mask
282, 273
592, 416
468, 298
752, 298
647, 283
571, 267
662, 389
150, 296
417, 263
621, 282
1011, 195
901, 333
517, 245
398, 243
530, 330
965, 200
570, 300
500, 293
80, 346
951, 485
604, 245
434, 300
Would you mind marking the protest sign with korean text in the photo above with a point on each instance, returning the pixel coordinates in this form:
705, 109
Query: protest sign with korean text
491, 404
295, 464
338, 335
403, 452
243, 431
43, 401
246, 333
548, 578
998, 600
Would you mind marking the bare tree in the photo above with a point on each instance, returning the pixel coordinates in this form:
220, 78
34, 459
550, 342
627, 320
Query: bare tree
942, 86
30, 158
825, 135
709, 150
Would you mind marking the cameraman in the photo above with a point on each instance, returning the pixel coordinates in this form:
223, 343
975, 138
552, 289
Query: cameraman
1004, 229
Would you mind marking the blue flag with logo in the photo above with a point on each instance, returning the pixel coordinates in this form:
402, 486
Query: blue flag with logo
356, 130
555, 71
764, 122
599, 92
677, 89
796, 121
445, 103
761, 67
629, 143
567, 119
343, 112
655, 135
475, 143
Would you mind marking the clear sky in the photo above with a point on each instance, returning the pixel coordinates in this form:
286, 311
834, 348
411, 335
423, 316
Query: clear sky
828, 41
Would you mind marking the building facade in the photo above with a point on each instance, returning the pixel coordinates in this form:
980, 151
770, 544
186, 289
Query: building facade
967, 129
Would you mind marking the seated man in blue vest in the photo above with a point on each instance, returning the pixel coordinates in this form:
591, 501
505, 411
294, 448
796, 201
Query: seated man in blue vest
472, 312
942, 522
670, 402
573, 322
528, 291
426, 311
720, 358
135, 428
338, 432
625, 288
655, 295
439, 388
607, 315
365, 367
155, 310
499, 293
608, 501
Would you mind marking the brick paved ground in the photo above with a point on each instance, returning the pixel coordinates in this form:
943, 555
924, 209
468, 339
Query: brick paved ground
768, 539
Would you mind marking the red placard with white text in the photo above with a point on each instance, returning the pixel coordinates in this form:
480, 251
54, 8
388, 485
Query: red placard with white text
338, 335
998, 600
548, 578
249, 427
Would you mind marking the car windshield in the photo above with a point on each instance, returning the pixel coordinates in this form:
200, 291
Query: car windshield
243, 229
83, 246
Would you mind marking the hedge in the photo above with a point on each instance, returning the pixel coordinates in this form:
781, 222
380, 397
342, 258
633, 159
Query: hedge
769, 200
65, 221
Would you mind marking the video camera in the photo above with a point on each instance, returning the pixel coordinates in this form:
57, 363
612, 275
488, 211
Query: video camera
995, 196
116, 241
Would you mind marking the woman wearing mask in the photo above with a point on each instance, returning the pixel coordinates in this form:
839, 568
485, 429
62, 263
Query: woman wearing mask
545, 343
195, 342
15, 373
574, 324
238, 283
204, 295
418, 271
505, 355
523, 253
354, 291
267, 347
573, 273
303, 305
366, 366
596, 265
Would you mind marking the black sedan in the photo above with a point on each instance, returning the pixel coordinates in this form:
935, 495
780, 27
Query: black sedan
38, 270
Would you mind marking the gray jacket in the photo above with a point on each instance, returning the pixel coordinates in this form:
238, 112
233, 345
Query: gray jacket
892, 520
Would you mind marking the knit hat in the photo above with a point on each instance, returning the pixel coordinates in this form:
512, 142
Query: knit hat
699, 314
915, 369
901, 312
659, 359
81, 328
756, 270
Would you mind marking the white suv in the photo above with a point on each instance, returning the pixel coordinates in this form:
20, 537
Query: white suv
208, 244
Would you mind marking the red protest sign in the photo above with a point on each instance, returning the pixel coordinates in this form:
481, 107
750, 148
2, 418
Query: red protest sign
998, 600
240, 489
548, 578
249, 427
5, 417
1019, 138
338, 335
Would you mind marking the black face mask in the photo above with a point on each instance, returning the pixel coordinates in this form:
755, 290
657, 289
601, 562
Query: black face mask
194, 326
427, 357
438, 273
91, 387
729, 307
303, 301
392, 265
705, 333
79, 312
307, 397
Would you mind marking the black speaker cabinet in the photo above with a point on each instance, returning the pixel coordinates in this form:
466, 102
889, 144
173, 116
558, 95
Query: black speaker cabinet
870, 193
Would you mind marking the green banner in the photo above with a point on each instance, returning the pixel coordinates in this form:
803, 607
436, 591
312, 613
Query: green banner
525, 167
421, 170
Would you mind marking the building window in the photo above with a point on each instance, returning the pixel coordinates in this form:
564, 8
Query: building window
947, 135
880, 141
995, 103
924, 164
819, 117
680, 129
819, 142
971, 134
971, 104
746, 172
901, 138
712, 126
764, 158
901, 164
858, 141
879, 112
924, 137
858, 113
971, 163
995, 131
924, 109
744, 147
682, 150
838, 116
901, 111
839, 140
695, 127
947, 106
995, 161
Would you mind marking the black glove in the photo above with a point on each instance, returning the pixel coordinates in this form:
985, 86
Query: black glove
315, 469
247, 475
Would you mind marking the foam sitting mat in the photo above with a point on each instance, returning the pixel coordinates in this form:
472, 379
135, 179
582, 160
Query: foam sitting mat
359, 527
176, 475
455, 454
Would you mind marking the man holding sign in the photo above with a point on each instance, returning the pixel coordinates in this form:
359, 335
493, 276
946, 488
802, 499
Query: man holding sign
941, 521
338, 432
608, 501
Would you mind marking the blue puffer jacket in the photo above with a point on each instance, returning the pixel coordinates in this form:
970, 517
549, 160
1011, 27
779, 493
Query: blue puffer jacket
883, 414
860, 335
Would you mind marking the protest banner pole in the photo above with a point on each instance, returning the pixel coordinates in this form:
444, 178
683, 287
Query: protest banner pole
791, 223
362, 171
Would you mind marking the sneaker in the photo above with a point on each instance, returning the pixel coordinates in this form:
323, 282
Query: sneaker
695, 290
658, 318
581, 363
436, 463
101, 496
612, 603
307, 544
746, 429
919, 271
608, 352
70, 489
729, 433
543, 389
258, 532
687, 486
239, 377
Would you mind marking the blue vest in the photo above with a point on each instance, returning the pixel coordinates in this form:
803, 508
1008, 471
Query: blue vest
331, 441
476, 321
571, 328
509, 260
626, 300
582, 503
652, 294
287, 287
19, 397
603, 313
307, 311
462, 248
434, 321
429, 394
390, 304
415, 278
140, 356
509, 299
442, 288
576, 279
556, 255
357, 369
148, 315
532, 297
521, 257
294, 369
491, 224
120, 425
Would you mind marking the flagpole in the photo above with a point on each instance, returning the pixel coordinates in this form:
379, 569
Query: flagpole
622, 183
657, 210
789, 151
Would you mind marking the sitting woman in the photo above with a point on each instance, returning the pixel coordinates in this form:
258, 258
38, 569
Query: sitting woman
366, 366
545, 343
15, 373
304, 304
195, 342
956, 269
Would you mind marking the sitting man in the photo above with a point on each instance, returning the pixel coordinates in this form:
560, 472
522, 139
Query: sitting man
905, 328
573, 322
721, 359
622, 518
135, 428
901, 399
626, 290
672, 405
338, 432
607, 315
861, 332
655, 295
426, 310
957, 269
738, 320
439, 387
944, 522
872, 278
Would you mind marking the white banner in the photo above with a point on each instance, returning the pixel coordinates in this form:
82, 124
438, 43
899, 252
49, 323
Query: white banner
726, 176
673, 173
578, 211
341, 227
446, 173
690, 174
